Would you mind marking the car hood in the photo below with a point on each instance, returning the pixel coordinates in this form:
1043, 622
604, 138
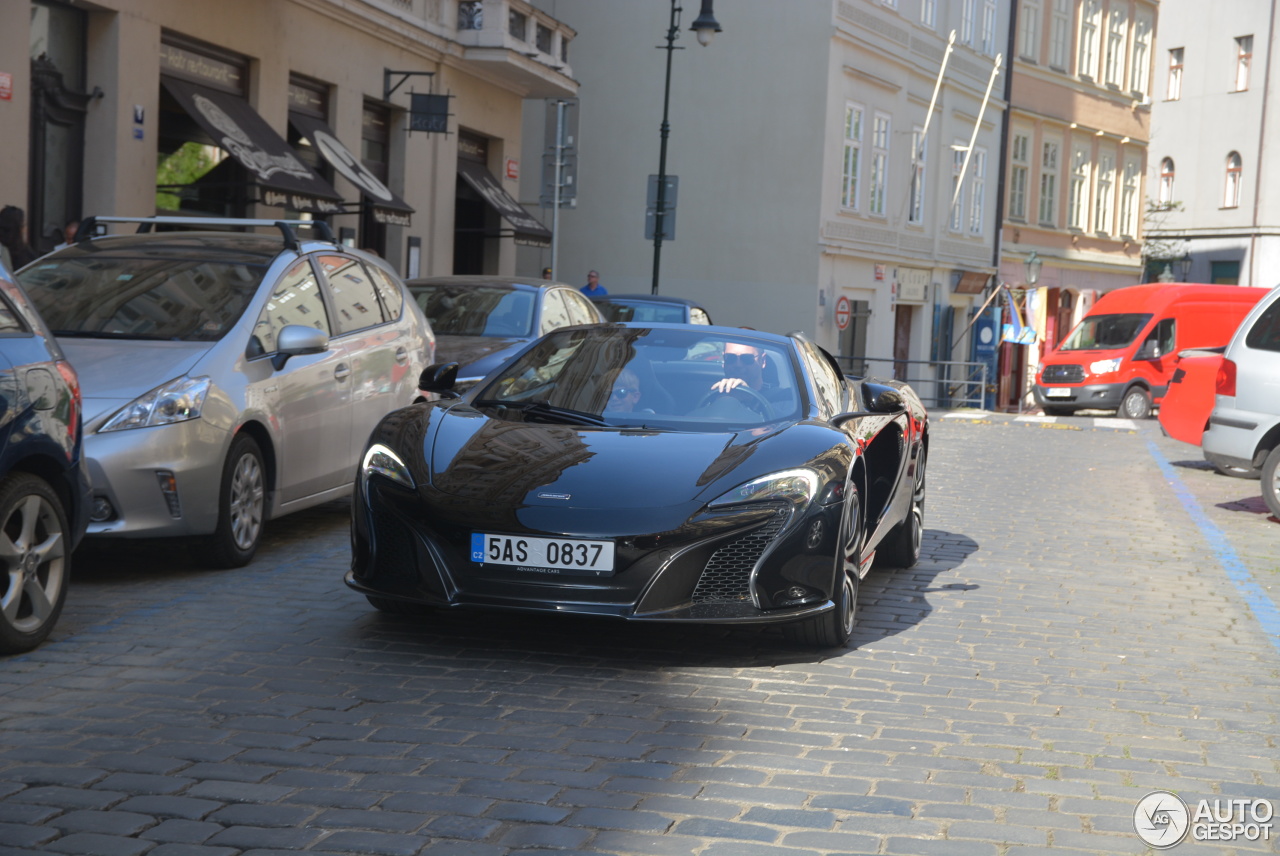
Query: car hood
115, 371
564, 466
476, 355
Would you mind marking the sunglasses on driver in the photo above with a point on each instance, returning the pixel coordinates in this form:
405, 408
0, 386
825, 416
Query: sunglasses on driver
744, 360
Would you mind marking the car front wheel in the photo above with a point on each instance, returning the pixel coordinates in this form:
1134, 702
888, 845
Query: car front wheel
241, 507
1271, 481
36, 562
833, 629
1136, 404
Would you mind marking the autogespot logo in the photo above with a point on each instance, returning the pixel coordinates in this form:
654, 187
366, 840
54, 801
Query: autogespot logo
1161, 819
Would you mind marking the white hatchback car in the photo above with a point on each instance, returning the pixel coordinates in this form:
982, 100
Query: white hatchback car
1244, 428
228, 377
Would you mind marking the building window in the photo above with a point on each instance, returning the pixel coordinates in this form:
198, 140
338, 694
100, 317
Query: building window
1138, 74
956, 217
989, 27
879, 165
1049, 184
1029, 38
1060, 35
1129, 199
852, 156
1090, 19
1231, 199
1105, 200
1175, 75
1166, 183
564, 48
1078, 199
967, 13
915, 213
470, 15
1113, 61
1244, 55
978, 192
543, 35
929, 13
518, 25
1018, 177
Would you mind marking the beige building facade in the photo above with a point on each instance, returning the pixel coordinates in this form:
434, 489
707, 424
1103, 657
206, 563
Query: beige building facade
139, 107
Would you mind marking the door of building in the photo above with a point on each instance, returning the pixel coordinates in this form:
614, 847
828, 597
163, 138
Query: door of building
901, 340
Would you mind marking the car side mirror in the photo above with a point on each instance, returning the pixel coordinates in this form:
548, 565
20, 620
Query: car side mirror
1148, 350
439, 377
881, 400
295, 340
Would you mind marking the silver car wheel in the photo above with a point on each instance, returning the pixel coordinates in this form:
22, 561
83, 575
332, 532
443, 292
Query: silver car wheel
33, 551
246, 502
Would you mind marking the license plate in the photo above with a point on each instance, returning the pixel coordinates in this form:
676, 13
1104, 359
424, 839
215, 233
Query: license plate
543, 555
1058, 392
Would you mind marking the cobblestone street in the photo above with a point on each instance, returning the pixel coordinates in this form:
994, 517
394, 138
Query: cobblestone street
1075, 636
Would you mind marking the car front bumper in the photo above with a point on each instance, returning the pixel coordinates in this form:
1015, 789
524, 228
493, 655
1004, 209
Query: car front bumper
1092, 396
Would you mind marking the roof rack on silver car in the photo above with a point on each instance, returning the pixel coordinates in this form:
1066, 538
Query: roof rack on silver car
89, 227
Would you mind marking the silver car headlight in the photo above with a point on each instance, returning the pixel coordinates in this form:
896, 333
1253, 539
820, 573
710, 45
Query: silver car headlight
176, 401
384, 462
798, 487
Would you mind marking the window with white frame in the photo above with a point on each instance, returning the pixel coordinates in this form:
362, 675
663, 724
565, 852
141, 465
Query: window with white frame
1174, 90
1049, 184
968, 13
1231, 199
1139, 73
852, 168
1244, 56
1166, 183
1078, 195
989, 27
1060, 35
1090, 21
956, 219
915, 212
1105, 200
1018, 170
977, 190
929, 13
1113, 57
1029, 36
879, 164
1129, 199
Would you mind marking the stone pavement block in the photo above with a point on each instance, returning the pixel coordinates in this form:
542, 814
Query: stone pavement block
114, 822
527, 812
381, 821
373, 843
637, 844
842, 843
462, 827
896, 846
35, 775
606, 818
255, 837
92, 844
710, 828
191, 850
450, 804
69, 797
279, 816
741, 848
601, 798
237, 792
999, 832
804, 818
462, 848
182, 831
545, 837
25, 835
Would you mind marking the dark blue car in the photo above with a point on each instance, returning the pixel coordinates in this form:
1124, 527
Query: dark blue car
44, 490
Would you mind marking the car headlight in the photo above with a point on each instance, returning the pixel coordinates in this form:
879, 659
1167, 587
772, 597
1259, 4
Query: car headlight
795, 486
1104, 366
384, 462
176, 401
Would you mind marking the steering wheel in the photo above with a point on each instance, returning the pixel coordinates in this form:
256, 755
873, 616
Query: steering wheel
756, 401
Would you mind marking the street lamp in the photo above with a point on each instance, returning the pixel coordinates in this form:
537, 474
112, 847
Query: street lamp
1033, 269
706, 27
1185, 264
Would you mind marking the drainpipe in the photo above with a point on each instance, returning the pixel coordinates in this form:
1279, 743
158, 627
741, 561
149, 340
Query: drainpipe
1262, 148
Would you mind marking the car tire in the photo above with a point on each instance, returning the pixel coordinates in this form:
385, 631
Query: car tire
1057, 411
36, 555
241, 507
901, 547
1236, 472
1136, 403
834, 628
1271, 481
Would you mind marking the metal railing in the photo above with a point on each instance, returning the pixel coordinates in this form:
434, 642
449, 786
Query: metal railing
941, 384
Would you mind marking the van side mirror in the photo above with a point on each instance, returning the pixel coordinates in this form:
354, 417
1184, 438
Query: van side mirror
439, 377
295, 340
1148, 350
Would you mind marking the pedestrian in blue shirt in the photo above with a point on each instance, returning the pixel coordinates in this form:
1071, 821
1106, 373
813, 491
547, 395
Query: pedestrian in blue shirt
593, 288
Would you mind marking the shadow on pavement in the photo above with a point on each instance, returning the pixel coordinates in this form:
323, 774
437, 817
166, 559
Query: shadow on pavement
1250, 504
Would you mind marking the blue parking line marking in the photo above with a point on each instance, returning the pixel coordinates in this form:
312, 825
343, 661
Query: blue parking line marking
1255, 597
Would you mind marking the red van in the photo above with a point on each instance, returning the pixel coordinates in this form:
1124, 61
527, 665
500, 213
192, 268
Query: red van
1123, 353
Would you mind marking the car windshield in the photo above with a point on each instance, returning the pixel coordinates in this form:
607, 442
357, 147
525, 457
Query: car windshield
634, 376
665, 313
476, 311
98, 296
1103, 332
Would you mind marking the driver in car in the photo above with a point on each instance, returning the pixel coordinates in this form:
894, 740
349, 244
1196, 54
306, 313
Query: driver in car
743, 366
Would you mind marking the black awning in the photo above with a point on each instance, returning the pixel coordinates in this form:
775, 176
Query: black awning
528, 230
246, 136
387, 206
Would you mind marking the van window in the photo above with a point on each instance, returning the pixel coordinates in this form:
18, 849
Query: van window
1265, 332
1099, 332
1163, 336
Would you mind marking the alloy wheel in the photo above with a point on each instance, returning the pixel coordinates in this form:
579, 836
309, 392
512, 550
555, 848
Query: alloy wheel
33, 549
246, 502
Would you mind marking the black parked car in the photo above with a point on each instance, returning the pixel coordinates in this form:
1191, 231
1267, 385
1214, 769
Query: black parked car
648, 472
44, 489
651, 308
480, 322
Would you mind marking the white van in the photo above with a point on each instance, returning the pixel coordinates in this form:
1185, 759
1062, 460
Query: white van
1244, 428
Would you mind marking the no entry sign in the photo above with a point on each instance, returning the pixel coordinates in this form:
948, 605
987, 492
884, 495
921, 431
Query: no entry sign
844, 310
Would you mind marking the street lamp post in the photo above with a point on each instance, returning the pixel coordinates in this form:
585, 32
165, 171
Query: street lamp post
706, 27
1033, 269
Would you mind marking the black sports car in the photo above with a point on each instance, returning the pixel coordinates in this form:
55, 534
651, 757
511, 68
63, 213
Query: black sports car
655, 472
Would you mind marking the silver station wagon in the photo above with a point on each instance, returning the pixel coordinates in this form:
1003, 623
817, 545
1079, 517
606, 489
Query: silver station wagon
228, 377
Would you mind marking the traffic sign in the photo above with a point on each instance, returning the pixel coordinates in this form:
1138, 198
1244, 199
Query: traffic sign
844, 311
